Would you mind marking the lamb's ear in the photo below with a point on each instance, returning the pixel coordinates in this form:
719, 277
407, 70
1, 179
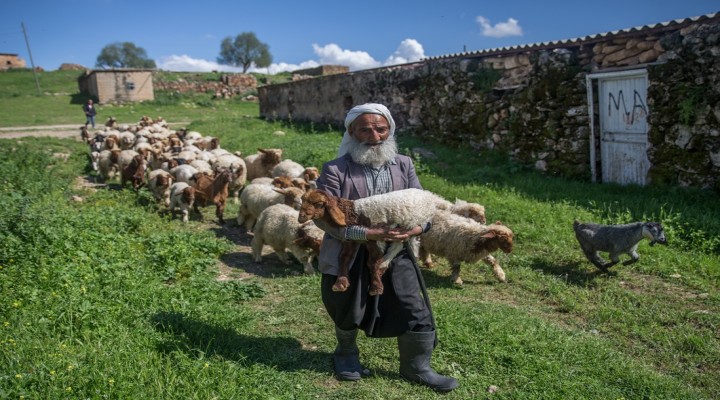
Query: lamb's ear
335, 213
488, 235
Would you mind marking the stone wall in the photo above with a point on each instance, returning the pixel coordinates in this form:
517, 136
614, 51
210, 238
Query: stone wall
531, 101
228, 86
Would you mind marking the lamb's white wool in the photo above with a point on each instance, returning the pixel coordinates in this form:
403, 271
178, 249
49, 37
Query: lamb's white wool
237, 166
183, 173
405, 208
262, 163
288, 168
179, 199
278, 227
159, 182
257, 196
460, 239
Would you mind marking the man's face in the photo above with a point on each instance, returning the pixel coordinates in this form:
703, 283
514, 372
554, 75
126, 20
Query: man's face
370, 129
370, 141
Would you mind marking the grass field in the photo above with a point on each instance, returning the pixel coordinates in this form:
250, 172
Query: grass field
110, 297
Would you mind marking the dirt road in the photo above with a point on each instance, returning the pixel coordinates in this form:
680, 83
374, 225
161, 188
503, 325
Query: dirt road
62, 131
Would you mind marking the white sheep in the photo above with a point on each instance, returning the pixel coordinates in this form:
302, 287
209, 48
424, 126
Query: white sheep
159, 182
182, 196
287, 168
183, 173
262, 163
460, 239
404, 209
108, 163
236, 165
278, 227
257, 197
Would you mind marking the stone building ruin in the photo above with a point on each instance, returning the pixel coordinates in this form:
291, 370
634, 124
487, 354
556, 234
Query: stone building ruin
633, 106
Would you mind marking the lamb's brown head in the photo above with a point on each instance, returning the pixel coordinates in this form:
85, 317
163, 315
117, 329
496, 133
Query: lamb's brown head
311, 173
270, 156
188, 195
282, 182
307, 241
318, 204
498, 236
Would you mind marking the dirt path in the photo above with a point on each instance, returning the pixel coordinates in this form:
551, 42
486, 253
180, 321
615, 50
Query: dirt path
61, 131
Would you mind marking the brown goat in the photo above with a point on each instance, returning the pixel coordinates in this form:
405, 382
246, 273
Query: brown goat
134, 172
212, 190
84, 134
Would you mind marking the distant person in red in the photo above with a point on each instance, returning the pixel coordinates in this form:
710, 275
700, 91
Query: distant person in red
90, 112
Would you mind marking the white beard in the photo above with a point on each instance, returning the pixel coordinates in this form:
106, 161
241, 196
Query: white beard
373, 156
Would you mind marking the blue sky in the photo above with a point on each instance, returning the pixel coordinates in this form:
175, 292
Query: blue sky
186, 35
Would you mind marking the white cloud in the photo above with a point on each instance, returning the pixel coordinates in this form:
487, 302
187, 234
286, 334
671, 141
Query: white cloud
185, 63
410, 50
333, 54
501, 29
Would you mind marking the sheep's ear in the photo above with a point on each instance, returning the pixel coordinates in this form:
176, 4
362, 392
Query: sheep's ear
337, 216
488, 235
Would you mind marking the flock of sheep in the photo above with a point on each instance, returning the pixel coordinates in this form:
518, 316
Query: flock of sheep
185, 170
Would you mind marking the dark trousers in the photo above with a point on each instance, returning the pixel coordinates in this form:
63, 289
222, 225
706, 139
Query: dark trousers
401, 308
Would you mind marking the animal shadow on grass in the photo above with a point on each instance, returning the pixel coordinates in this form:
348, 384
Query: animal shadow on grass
572, 272
186, 334
433, 279
241, 257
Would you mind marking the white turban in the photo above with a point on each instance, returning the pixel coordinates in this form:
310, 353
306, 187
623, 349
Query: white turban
367, 108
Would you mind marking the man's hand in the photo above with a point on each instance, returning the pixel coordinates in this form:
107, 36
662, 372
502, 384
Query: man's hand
391, 235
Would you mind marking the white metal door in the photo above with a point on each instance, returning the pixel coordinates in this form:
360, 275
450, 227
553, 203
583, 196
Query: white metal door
624, 128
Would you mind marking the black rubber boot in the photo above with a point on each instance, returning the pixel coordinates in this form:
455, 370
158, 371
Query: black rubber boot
415, 353
346, 359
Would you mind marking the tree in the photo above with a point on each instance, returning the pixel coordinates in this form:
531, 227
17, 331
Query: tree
244, 51
123, 55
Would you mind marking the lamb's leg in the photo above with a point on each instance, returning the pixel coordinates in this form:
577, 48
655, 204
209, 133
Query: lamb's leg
257, 245
426, 258
497, 270
347, 251
455, 276
375, 262
282, 255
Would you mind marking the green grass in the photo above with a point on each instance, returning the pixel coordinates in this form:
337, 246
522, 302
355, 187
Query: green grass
112, 298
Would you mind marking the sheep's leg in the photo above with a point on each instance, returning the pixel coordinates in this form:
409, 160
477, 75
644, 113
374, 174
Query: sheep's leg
375, 266
455, 276
283, 256
497, 270
241, 215
347, 251
257, 246
426, 258
392, 251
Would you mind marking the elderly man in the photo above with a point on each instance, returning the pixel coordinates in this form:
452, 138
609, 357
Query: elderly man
368, 164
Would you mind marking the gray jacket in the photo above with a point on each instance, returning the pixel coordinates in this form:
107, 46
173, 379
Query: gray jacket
342, 177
